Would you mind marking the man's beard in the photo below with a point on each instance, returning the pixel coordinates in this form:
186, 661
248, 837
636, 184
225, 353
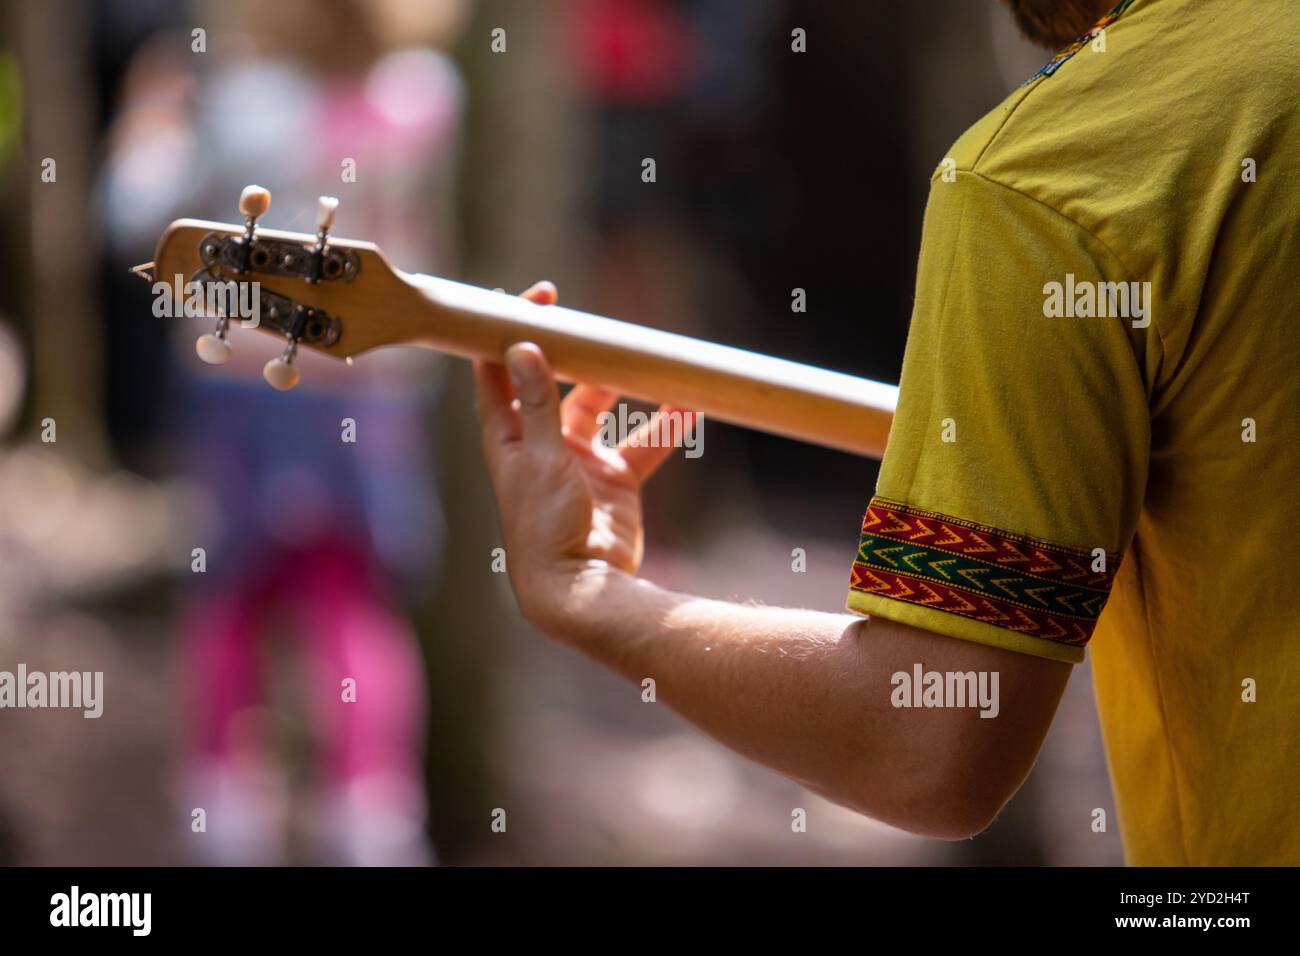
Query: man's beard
1056, 23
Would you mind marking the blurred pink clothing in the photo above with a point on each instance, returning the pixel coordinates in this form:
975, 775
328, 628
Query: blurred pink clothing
346, 630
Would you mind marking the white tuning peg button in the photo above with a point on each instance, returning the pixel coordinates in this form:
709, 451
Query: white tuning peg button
213, 349
254, 201
326, 206
281, 375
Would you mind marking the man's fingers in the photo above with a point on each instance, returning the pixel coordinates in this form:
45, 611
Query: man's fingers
493, 391
495, 396
647, 448
543, 293
581, 410
539, 399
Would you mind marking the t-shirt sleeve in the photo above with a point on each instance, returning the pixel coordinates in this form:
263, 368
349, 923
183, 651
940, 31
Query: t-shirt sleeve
1017, 460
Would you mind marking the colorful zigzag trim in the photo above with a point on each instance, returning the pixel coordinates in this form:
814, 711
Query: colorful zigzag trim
1005, 579
1055, 63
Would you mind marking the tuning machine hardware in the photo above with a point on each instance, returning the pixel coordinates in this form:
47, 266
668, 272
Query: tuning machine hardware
298, 323
254, 201
279, 258
279, 313
314, 263
240, 255
281, 374
304, 324
214, 348
326, 207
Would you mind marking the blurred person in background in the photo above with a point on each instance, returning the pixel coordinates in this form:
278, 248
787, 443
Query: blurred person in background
309, 533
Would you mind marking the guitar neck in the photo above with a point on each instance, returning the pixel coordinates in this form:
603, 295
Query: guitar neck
376, 305
733, 385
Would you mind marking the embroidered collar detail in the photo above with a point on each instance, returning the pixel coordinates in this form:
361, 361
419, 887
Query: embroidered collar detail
1055, 63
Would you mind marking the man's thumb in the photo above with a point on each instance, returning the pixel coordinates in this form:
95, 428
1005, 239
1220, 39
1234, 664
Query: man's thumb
539, 400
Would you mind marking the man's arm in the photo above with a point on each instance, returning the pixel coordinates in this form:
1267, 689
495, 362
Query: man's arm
808, 694
805, 693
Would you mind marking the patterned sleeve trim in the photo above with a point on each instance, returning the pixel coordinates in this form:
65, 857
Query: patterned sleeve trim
1009, 580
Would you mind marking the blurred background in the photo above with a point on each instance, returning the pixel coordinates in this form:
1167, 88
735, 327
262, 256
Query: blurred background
497, 142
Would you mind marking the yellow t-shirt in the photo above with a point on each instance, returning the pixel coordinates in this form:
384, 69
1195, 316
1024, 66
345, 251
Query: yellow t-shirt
1100, 406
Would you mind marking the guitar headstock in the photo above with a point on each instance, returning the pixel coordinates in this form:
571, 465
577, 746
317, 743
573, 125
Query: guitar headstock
338, 296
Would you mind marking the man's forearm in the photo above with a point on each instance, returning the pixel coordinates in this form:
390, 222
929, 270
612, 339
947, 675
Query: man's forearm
806, 693
809, 694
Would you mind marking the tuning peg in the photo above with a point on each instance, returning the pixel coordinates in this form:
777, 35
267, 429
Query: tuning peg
213, 347
254, 201
326, 206
281, 374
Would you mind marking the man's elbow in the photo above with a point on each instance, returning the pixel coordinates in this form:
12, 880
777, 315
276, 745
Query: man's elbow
955, 816
949, 811
946, 800
944, 772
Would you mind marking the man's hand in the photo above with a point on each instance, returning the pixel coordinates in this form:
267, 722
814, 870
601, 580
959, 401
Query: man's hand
569, 505
806, 693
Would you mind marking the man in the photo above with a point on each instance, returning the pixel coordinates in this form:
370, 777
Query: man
1100, 405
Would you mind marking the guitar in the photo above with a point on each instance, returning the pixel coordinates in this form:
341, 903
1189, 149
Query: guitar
342, 297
